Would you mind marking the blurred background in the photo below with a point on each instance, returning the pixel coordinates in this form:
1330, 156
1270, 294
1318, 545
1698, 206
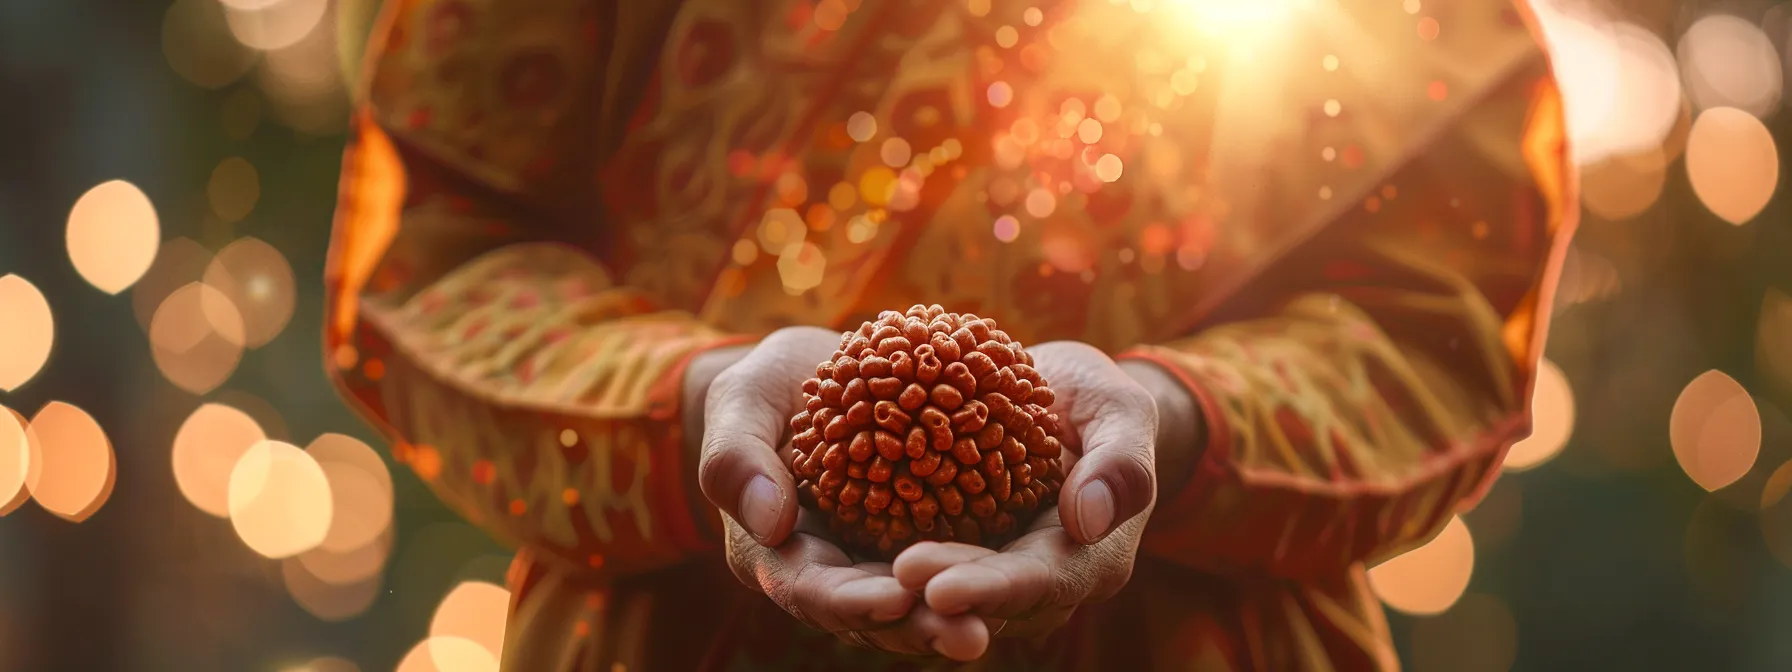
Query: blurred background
199, 499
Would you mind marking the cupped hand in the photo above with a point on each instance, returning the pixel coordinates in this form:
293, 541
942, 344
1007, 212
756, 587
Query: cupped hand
1081, 551
777, 548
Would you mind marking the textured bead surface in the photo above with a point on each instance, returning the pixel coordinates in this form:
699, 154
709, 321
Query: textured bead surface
927, 425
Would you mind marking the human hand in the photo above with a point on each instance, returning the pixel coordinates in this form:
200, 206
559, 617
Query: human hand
1081, 551
777, 548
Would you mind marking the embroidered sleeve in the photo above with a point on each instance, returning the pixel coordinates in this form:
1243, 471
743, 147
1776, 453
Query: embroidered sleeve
469, 319
1366, 387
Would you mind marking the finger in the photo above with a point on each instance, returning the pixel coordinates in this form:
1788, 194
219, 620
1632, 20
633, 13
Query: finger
1011, 584
1113, 479
739, 471
918, 564
810, 578
960, 638
1037, 624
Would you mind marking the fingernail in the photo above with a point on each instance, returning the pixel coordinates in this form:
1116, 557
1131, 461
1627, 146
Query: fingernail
760, 506
1095, 509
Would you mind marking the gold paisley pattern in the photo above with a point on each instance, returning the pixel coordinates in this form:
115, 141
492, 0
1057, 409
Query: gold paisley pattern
1335, 220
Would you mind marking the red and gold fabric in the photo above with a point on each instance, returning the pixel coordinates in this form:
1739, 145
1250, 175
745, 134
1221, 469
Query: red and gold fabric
1336, 221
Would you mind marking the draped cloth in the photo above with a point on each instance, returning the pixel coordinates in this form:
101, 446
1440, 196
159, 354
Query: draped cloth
1337, 222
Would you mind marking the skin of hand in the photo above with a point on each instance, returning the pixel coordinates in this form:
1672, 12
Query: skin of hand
1083, 551
744, 398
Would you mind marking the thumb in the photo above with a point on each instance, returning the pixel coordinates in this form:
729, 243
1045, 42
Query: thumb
1114, 480
739, 470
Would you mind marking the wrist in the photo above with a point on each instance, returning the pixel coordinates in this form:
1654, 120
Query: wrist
1179, 422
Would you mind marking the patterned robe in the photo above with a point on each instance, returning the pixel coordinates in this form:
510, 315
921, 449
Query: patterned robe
1337, 222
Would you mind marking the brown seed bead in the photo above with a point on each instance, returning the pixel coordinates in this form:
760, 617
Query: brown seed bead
1012, 451
915, 330
855, 470
1000, 406
838, 428
1044, 396
1027, 499
902, 366
892, 345
997, 382
947, 471
856, 391
1051, 448
943, 346
874, 367
978, 327
990, 436
913, 397
971, 418
983, 505
890, 417
885, 388
825, 370
859, 415
926, 508
1019, 423
897, 509
881, 469
1033, 439
947, 397
885, 332
978, 365
879, 497
966, 530
927, 364
875, 524
812, 386
806, 440
809, 465
821, 418
908, 487
1019, 390
831, 481
965, 451
958, 375
824, 502
836, 457
845, 369
801, 421
1021, 474
951, 500
856, 344
969, 480
887, 445
998, 353
853, 493
813, 404
998, 476
926, 524
939, 427
926, 464
900, 530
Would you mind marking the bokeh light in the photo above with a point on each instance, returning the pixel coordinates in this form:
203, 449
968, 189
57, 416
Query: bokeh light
349, 567
1715, 430
179, 262
30, 332
1618, 82
112, 235
259, 286
448, 654
234, 188
196, 338
328, 664
1427, 579
274, 24
1729, 62
475, 611
361, 489
206, 449
328, 601
279, 500
197, 42
72, 467
1773, 337
1621, 186
15, 460
1732, 162
1552, 419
